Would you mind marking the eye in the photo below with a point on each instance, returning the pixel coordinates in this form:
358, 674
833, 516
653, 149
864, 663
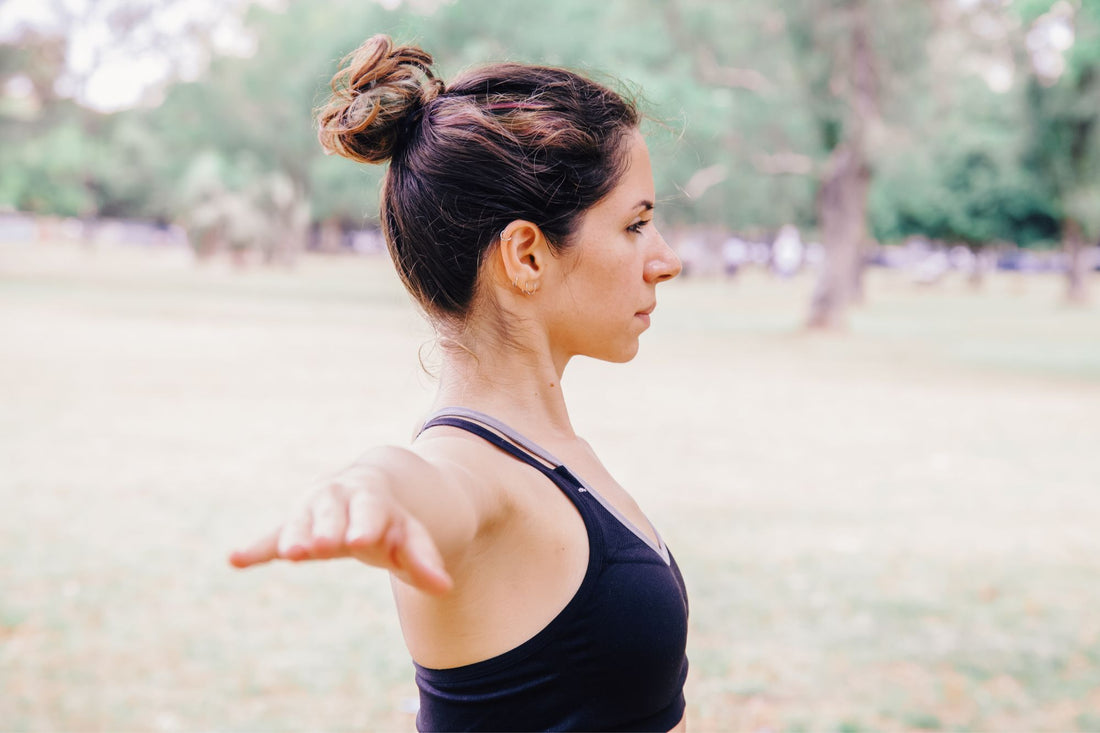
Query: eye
636, 227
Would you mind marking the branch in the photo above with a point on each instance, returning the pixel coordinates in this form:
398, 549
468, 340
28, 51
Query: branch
707, 68
711, 72
784, 163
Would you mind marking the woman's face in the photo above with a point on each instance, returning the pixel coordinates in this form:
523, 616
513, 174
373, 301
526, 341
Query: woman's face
601, 300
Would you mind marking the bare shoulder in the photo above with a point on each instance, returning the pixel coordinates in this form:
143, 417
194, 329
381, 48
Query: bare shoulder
479, 468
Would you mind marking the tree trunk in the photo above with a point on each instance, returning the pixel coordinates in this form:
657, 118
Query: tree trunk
863, 257
842, 209
210, 242
330, 236
1078, 265
976, 277
842, 198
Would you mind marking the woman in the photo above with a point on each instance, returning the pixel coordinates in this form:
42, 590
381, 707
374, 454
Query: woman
518, 209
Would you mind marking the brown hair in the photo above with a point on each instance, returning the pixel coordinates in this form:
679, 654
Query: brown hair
501, 142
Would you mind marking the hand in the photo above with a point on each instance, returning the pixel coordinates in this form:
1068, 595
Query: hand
372, 527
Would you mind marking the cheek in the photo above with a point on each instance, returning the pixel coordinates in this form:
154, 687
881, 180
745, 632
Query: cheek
605, 277
615, 267
611, 286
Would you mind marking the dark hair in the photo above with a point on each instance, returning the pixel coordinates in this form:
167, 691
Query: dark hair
501, 142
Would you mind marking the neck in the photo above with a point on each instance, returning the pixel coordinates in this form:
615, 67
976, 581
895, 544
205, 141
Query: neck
517, 385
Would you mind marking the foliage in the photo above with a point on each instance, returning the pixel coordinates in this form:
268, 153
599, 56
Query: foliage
965, 186
746, 101
1063, 121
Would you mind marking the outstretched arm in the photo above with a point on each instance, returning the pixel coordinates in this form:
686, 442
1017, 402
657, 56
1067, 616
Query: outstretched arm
392, 509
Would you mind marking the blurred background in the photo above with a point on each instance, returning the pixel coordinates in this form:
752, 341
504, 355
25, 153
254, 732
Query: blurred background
946, 135
864, 419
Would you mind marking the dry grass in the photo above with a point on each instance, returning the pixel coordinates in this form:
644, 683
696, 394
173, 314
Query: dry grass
896, 529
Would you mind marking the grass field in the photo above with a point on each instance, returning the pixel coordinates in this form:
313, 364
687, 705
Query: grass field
894, 529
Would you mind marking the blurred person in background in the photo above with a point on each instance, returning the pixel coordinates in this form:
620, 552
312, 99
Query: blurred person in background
518, 209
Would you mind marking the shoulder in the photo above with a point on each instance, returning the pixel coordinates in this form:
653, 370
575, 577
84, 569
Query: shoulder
443, 461
470, 464
445, 481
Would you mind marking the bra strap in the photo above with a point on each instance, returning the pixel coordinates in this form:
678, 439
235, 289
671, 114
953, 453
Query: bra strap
506, 446
491, 422
507, 439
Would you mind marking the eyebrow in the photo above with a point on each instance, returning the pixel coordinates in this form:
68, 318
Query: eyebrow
644, 204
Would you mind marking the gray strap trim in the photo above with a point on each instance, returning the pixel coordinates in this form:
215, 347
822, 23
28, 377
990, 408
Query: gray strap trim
534, 449
489, 421
659, 548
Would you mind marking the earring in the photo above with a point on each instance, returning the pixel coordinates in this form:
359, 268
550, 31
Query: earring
502, 237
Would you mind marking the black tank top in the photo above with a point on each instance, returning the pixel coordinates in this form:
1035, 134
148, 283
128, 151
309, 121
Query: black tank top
613, 659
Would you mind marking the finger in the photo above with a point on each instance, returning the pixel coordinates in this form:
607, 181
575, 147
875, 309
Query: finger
419, 560
368, 519
330, 524
263, 550
294, 540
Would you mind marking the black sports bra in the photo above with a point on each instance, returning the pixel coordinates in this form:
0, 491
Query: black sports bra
613, 659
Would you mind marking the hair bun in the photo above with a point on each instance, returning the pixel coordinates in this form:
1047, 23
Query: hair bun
378, 88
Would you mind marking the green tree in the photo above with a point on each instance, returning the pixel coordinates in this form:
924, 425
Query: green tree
748, 151
253, 116
862, 64
1063, 114
44, 155
966, 184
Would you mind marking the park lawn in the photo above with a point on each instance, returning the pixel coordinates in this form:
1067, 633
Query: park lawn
892, 529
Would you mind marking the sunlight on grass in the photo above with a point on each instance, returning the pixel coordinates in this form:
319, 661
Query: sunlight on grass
891, 529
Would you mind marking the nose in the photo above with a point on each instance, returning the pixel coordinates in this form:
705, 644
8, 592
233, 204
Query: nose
663, 264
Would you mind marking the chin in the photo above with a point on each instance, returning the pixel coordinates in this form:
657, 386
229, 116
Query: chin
619, 356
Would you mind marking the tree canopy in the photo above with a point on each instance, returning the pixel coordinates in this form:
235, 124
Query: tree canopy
748, 104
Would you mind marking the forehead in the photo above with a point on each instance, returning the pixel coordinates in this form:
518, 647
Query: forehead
639, 172
635, 185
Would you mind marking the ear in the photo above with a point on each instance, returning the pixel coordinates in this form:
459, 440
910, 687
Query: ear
523, 256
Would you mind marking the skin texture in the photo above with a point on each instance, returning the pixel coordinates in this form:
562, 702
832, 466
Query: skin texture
482, 549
